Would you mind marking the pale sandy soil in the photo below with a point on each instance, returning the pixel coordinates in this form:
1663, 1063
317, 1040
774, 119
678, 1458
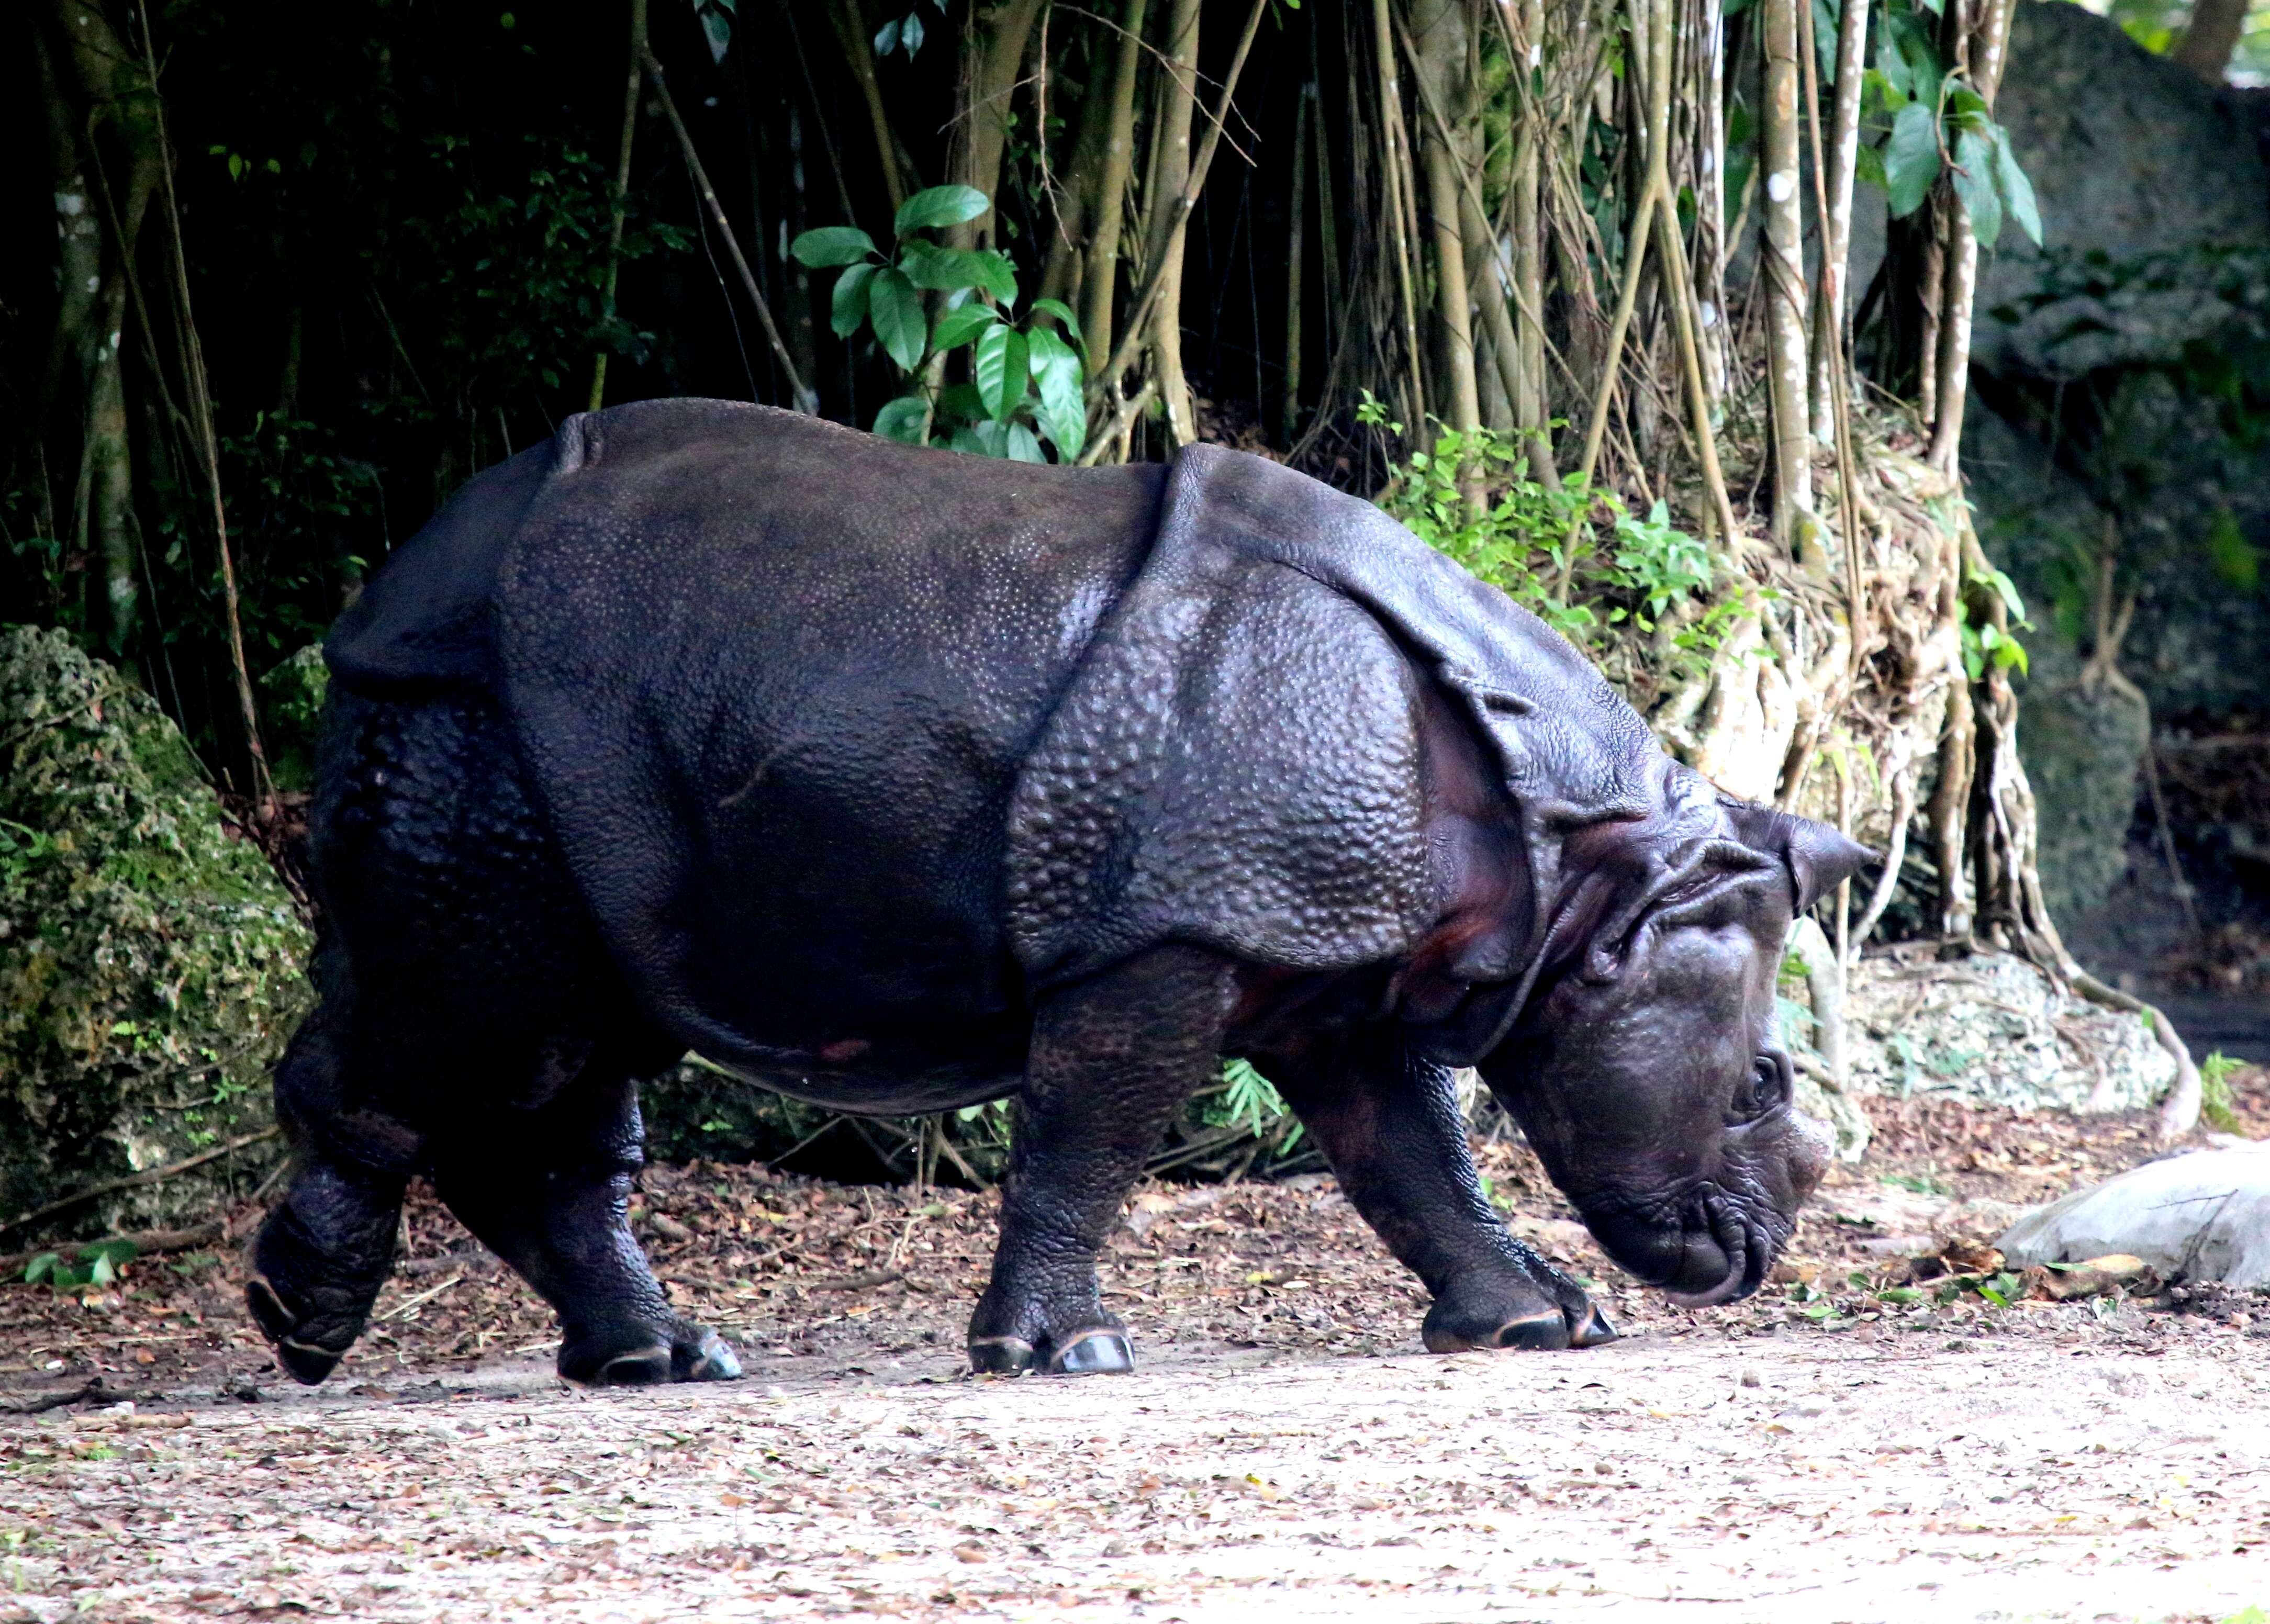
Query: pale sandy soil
1811, 1478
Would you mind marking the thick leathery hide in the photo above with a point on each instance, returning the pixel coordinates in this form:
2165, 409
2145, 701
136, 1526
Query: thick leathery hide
776, 680
422, 625
1101, 847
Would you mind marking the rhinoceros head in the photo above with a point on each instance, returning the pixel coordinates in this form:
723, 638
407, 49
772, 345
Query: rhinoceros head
1645, 1067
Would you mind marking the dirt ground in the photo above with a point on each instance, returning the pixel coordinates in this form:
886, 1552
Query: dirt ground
1865, 1440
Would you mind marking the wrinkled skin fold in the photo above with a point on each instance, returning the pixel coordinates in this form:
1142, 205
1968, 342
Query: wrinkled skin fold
900, 781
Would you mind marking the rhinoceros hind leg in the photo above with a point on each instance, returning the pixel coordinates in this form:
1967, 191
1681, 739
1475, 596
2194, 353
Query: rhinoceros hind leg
559, 1213
1388, 1121
320, 1257
1113, 1058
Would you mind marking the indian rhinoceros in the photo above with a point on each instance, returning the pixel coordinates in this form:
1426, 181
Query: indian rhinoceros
899, 780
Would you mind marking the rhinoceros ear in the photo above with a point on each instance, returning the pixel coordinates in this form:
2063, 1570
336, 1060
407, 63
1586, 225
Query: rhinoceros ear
1819, 859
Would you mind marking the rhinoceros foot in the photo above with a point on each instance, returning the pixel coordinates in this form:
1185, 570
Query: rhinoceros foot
1102, 1350
639, 1355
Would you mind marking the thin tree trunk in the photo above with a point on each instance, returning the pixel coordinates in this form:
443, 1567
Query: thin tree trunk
1297, 250
1178, 105
1396, 153
1784, 269
993, 53
1987, 50
1100, 282
859, 55
1439, 60
1842, 144
2211, 37
622, 194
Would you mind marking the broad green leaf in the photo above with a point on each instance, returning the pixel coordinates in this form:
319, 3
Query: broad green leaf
959, 403
717, 26
945, 269
1000, 275
848, 307
1063, 411
896, 309
887, 38
910, 34
959, 326
1973, 183
940, 206
1062, 311
983, 439
2017, 191
1966, 109
1000, 370
832, 245
1023, 447
1911, 158
902, 419
1892, 64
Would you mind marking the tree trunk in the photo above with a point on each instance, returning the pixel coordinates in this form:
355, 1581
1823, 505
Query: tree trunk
859, 55
1784, 269
1171, 175
1296, 249
635, 81
1098, 287
1842, 142
2211, 38
1438, 38
993, 51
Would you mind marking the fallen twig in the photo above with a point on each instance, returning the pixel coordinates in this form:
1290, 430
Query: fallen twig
135, 1181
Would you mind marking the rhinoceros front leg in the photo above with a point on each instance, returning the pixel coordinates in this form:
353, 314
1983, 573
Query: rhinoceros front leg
1112, 1059
1388, 1122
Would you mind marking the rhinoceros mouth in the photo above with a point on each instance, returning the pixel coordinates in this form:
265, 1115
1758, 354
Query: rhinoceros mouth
1700, 1252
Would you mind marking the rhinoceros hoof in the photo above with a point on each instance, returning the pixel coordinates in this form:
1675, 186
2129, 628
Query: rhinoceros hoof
1103, 1351
306, 1359
634, 1356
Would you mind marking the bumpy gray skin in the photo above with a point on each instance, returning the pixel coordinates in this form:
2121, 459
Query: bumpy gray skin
899, 780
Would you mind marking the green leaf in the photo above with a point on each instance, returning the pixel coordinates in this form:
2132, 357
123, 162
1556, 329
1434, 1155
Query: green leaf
902, 419
1911, 158
986, 438
1000, 275
887, 38
940, 206
1023, 447
2017, 191
1063, 410
1892, 64
832, 245
945, 270
958, 327
1062, 311
1973, 183
1868, 165
43, 1267
1966, 109
848, 306
896, 309
959, 403
1000, 370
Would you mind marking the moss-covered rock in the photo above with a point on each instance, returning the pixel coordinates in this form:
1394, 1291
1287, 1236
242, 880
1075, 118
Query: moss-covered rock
151, 965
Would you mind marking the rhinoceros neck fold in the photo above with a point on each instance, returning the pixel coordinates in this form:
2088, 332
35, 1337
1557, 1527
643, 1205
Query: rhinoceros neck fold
1259, 571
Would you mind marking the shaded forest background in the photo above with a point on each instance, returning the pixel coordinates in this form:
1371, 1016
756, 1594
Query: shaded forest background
1661, 313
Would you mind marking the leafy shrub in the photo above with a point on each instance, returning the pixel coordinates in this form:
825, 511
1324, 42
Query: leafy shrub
150, 962
1023, 377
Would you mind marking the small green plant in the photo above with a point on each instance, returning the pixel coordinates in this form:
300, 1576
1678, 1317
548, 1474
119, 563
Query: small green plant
1249, 1100
2217, 1109
1026, 380
96, 1265
1542, 546
1982, 641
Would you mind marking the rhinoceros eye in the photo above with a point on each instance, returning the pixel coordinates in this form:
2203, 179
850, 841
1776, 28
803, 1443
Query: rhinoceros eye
1768, 1087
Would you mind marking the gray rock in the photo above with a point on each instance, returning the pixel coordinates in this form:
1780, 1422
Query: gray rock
1992, 1029
2201, 1216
